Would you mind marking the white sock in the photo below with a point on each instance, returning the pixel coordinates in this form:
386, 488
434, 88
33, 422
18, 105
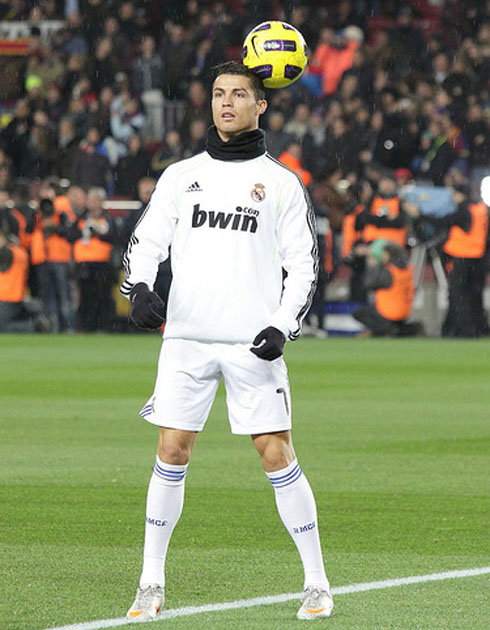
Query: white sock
164, 504
297, 509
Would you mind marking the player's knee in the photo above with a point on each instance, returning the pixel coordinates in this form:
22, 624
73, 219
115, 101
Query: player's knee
174, 454
276, 454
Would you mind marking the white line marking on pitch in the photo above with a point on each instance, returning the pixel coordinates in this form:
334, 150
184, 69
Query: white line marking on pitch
277, 599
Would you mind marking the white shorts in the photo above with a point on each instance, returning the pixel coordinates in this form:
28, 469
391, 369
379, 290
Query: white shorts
189, 372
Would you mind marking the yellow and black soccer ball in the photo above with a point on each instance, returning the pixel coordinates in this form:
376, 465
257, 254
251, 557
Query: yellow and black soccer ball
276, 52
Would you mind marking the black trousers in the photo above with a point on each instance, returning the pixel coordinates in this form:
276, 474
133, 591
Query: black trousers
380, 326
465, 316
96, 311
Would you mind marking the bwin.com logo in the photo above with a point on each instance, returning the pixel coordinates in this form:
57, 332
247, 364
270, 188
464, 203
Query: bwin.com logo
244, 220
304, 528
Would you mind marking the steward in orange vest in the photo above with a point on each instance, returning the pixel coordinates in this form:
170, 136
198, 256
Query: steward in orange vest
292, 159
384, 216
467, 246
93, 236
14, 266
390, 277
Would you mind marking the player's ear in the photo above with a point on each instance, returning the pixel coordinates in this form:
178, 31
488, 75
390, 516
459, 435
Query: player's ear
261, 106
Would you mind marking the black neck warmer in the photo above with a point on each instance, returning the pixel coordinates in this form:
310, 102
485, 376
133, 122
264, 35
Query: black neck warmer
246, 146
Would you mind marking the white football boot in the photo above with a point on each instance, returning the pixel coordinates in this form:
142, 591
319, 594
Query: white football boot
148, 603
317, 604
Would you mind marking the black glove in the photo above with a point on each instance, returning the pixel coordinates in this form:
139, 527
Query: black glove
147, 308
273, 346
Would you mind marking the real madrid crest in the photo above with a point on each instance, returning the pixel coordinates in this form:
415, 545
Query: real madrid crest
258, 192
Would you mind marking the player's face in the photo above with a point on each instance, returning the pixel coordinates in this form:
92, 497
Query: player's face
234, 107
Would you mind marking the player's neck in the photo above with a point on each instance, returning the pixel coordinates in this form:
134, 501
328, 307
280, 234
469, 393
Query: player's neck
243, 146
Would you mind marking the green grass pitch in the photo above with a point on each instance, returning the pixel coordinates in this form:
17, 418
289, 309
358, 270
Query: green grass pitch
393, 435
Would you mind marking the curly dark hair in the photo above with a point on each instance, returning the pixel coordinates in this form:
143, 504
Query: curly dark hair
235, 67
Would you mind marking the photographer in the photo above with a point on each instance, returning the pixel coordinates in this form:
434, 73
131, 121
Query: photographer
389, 275
466, 245
15, 316
57, 219
93, 236
385, 216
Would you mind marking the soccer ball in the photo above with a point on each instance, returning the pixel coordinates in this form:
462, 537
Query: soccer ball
276, 52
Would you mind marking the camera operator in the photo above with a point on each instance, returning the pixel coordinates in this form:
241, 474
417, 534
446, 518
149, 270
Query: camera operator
57, 220
389, 275
385, 216
467, 246
94, 235
15, 317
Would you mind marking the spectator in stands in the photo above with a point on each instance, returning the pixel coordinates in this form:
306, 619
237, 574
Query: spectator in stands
37, 161
298, 126
90, 167
67, 148
130, 26
73, 41
389, 276
171, 151
277, 138
333, 56
176, 55
126, 120
93, 236
148, 82
448, 149
15, 137
207, 54
103, 65
46, 64
407, 39
95, 12
197, 138
123, 46
197, 107
131, 168
99, 112
5, 170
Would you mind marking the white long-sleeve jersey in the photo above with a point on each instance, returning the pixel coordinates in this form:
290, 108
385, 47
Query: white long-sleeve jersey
233, 227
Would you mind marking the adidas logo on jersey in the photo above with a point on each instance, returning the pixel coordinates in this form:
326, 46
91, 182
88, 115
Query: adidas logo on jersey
194, 188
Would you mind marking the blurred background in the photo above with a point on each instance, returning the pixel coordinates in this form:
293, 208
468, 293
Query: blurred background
389, 128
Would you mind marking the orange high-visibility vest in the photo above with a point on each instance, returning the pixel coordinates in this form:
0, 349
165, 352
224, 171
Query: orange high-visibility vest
58, 249
349, 233
24, 237
395, 303
92, 250
392, 209
13, 281
39, 253
295, 165
471, 244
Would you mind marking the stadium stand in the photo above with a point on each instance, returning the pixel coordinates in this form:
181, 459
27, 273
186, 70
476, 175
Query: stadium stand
102, 94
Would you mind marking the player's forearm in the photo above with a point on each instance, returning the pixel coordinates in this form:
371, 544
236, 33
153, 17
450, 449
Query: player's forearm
299, 288
140, 265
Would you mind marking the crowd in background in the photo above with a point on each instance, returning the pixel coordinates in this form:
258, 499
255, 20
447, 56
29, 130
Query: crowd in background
100, 107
